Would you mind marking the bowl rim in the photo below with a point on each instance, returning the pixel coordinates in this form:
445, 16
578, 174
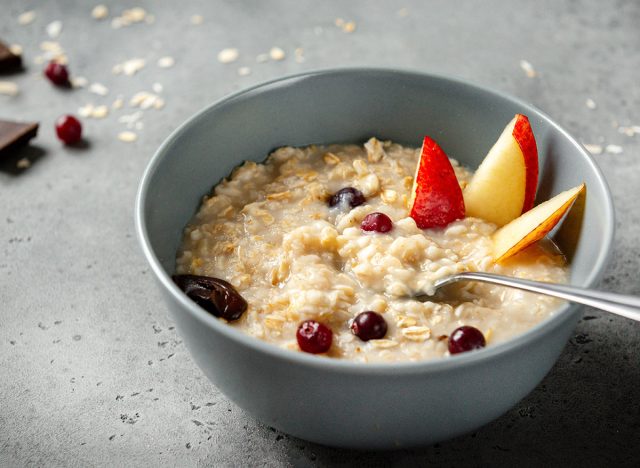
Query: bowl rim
345, 366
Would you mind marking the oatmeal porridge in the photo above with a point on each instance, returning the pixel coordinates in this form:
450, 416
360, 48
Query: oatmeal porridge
291, 237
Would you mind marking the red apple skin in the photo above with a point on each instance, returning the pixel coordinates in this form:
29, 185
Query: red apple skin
437, 198
523, 134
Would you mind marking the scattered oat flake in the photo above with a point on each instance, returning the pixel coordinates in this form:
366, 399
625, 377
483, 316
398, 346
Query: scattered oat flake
528, 68
27, 17
99, 89
131, 16
100, 112
613, 149
54, 29
590, 103
23, 163
8, 88
127, 136
244, 71
593, 148
630, 131
276, 53
157, 88
349, 27
79, 81
118, 103
100, 12
228, 55
86, 110
145, 100
130, 120
129, 67
196, 19
166, 62
15, 49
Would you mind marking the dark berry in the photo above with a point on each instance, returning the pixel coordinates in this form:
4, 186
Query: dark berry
214, 295
466, 338
378, 222
369, 326
314, 337
347, 197
57, 74
69, 129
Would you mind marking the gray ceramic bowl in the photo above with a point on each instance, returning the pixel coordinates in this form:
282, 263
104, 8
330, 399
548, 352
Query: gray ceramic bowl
336, 402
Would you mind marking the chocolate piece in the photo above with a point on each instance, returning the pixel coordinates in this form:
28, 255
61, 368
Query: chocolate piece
14, 134
8, 60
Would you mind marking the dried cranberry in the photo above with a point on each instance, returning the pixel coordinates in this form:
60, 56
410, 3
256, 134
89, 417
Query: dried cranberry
314, 337
378, 222
466, 338
347, 197
214, 295
369, 326
69, 129
57, 74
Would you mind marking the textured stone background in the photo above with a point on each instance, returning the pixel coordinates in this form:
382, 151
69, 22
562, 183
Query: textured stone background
91, 369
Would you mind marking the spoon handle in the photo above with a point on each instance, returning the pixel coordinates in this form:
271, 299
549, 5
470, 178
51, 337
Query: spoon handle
620, 304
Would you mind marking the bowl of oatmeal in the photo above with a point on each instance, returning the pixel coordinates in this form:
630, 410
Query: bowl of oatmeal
291, 199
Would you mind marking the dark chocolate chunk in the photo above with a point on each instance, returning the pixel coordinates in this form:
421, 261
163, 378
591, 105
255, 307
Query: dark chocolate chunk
214, 295
14, 134
8, 60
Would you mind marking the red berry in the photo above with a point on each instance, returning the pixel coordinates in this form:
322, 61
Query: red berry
57, 73
369, 326
378, 222
466, 338
69, 129
314, 337
347, 197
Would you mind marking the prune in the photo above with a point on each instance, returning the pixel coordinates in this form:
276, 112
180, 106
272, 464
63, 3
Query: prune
214, 295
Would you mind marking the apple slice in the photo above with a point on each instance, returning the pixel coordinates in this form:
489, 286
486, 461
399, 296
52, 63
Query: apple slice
436, 197
533, 225
505, 184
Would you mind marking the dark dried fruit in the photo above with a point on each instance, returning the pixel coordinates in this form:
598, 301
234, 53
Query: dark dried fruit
57, 74
214, 295
369, 325
69, 129
347, 197
378, 222
314, 337
466, 338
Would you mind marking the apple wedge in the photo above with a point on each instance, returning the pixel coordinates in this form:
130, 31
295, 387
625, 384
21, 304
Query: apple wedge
533, 225
436, 197
505, 184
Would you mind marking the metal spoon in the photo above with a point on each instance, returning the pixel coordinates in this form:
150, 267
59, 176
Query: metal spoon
627, 306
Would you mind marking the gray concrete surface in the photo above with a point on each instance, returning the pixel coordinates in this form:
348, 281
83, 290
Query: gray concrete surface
92, 372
